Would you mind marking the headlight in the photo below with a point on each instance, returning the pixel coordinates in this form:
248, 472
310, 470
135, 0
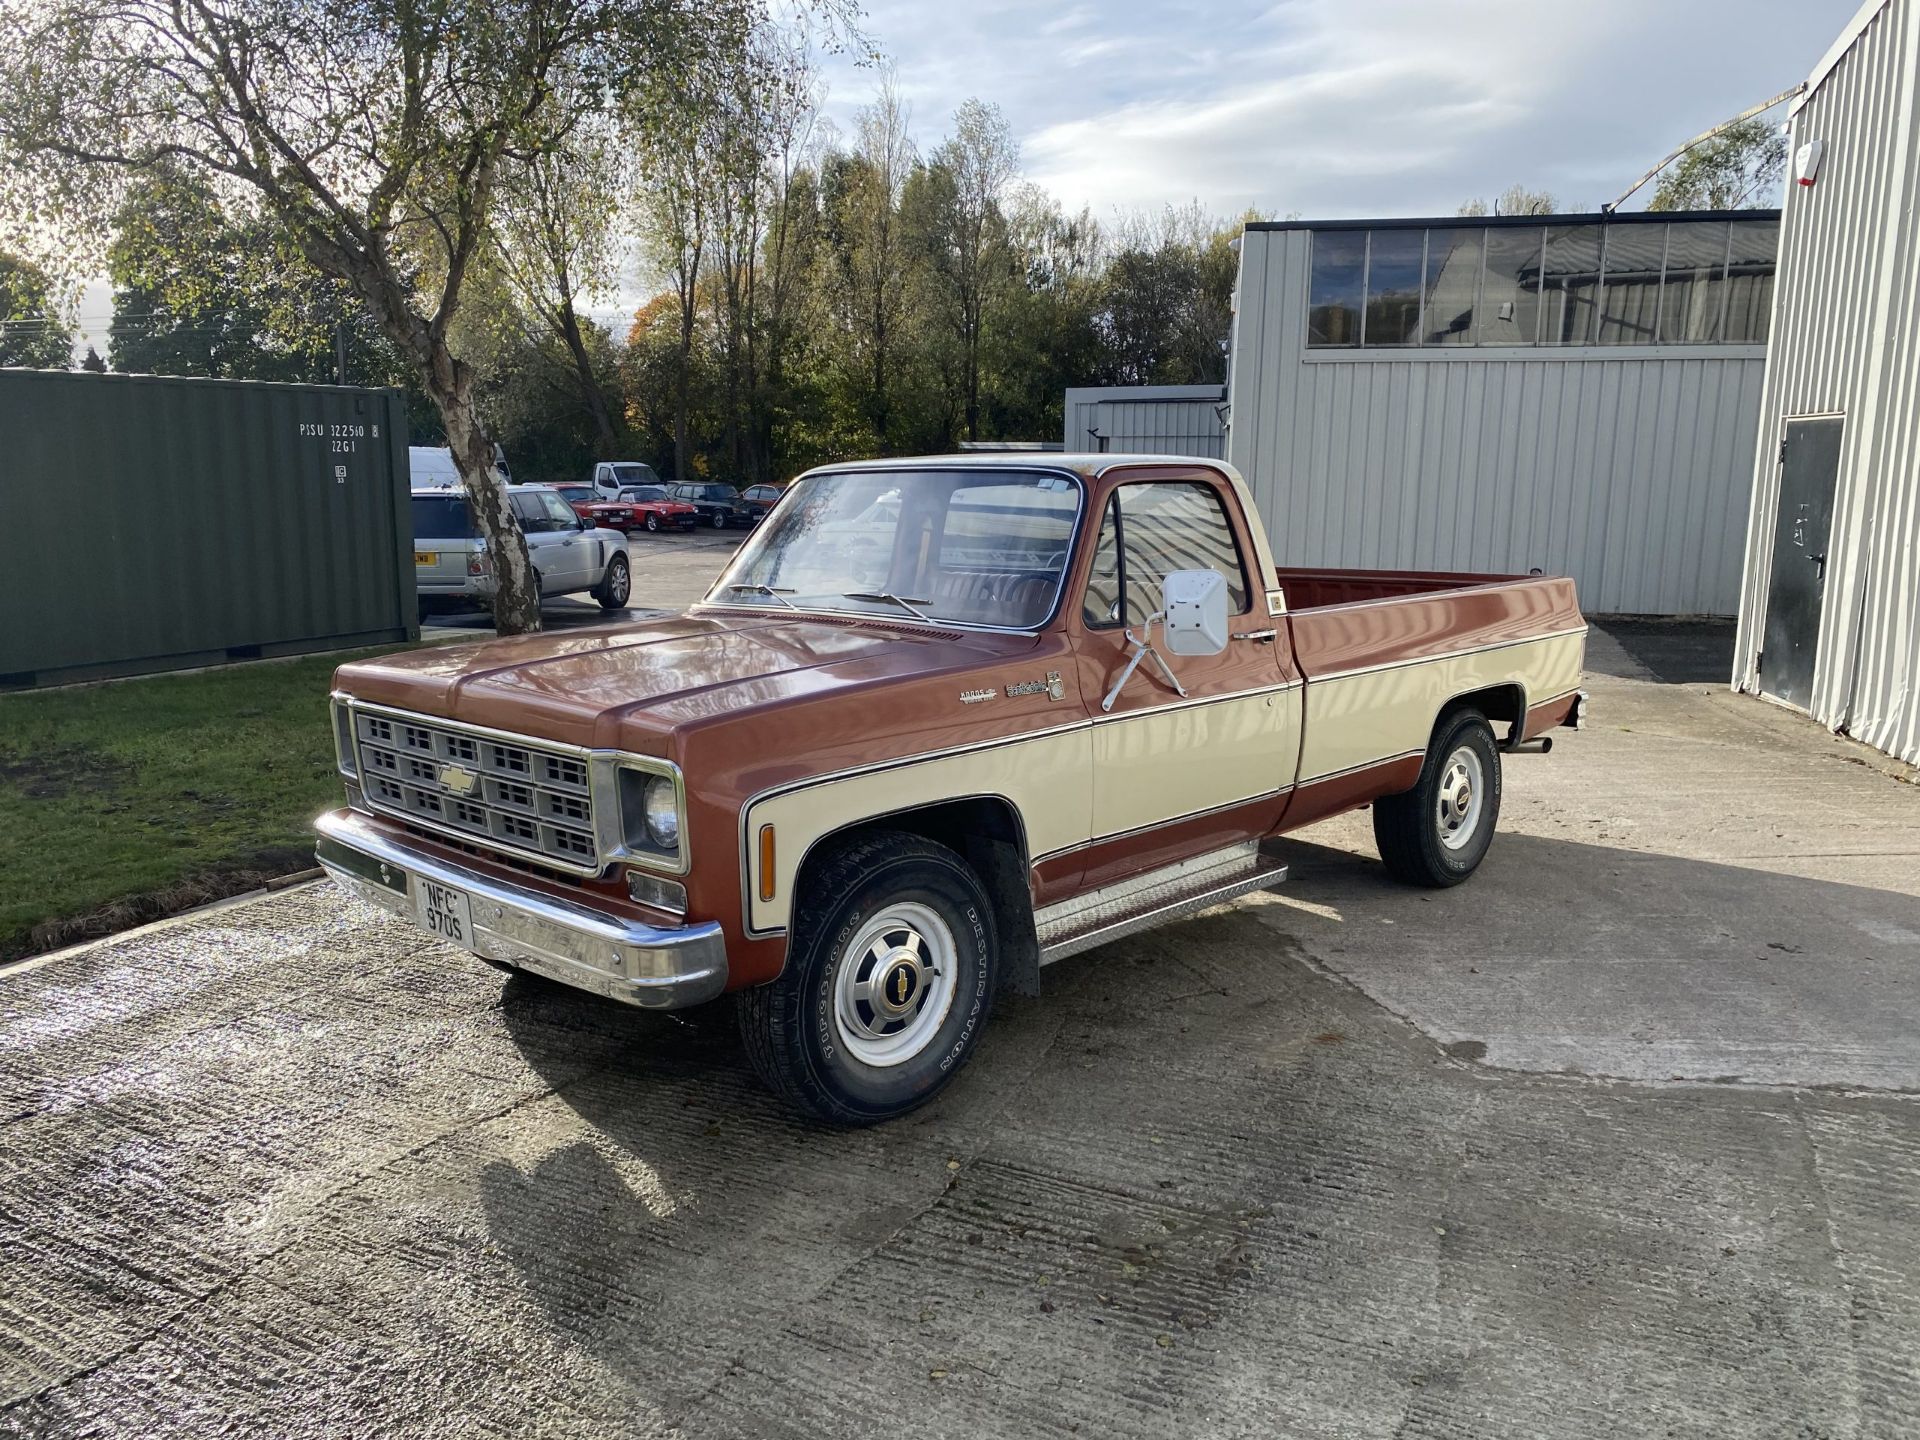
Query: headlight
663, 813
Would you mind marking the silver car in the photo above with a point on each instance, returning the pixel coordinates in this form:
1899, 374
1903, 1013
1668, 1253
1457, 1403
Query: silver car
570, 555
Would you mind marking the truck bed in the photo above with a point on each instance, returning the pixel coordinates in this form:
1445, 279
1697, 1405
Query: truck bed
1313, 589
1382, 651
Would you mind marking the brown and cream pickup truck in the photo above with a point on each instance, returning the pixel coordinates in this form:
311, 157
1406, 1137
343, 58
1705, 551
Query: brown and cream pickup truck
940, 723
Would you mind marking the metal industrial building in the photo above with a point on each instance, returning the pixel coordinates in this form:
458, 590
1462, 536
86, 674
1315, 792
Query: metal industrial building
1571, 393
1148, 420
1830, 611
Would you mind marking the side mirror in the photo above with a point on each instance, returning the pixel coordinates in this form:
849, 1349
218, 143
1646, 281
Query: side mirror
583, 522
1196, 612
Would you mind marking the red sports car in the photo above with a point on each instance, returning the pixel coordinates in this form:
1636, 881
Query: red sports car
639, 507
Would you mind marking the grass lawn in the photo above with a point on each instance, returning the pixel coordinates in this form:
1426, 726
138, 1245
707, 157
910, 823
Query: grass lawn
121, 803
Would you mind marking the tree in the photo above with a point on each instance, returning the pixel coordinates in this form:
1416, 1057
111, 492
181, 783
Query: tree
1514, 200
205, 287
1742, 165
1167, 305
672, 212
555, 242
868, 279
963, 235
32, 332
374, 131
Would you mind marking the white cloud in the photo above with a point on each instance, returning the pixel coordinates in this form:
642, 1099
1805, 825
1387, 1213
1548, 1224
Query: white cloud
1344, 107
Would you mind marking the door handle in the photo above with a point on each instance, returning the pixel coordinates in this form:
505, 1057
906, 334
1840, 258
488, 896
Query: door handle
1258, 637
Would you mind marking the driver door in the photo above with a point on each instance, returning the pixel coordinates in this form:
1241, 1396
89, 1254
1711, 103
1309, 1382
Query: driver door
1173, 775
576, 552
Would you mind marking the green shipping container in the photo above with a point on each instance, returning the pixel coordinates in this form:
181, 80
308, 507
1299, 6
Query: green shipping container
150, 523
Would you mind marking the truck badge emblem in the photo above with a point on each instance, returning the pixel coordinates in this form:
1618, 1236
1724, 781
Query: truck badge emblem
1052, 686
458, 779
974, 697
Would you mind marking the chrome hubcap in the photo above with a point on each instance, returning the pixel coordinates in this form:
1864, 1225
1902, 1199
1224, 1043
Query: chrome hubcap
1460, 803
620, 583
894, 985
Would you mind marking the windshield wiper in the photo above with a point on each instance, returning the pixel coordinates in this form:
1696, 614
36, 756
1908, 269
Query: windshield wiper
889, 596
780, 595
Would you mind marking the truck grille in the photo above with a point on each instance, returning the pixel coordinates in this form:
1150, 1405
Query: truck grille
506, 793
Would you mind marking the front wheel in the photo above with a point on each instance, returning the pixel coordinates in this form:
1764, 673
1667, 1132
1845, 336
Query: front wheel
887, 986
1437, 833
719, 519
653, 524
615, 586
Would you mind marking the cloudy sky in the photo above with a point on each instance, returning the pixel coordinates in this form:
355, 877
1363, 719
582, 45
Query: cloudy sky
1334, 108
1320, 108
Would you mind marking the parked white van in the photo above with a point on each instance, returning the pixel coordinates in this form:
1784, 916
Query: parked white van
432, 467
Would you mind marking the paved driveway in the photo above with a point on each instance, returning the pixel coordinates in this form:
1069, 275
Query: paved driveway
1619, 1139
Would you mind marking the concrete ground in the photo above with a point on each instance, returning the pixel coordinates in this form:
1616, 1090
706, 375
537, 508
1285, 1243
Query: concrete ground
1618, 1139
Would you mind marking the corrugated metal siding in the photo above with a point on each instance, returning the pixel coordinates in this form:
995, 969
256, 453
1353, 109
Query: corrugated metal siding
1846, 340
152, 523
1627, 471
1147, 420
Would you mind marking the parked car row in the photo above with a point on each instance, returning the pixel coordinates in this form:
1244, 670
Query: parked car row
631, 484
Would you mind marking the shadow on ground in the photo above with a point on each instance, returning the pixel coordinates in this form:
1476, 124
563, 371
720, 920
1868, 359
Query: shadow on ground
1672, 652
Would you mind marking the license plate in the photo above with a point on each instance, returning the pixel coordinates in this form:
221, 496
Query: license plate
424, 557
443, 911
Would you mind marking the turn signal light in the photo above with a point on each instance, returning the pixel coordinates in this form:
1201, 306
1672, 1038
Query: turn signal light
766, 862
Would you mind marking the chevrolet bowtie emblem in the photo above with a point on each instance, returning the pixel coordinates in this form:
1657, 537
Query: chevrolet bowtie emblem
458, 779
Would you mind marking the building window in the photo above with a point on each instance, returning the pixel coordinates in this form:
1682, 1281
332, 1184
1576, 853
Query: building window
1751, 248
1642, 282
1570, 285
1453, 286
1630, 283
1510, 297
1339, 284
1394, 259
1694, 288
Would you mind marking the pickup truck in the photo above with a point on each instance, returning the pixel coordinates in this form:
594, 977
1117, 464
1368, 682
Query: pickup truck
940, 723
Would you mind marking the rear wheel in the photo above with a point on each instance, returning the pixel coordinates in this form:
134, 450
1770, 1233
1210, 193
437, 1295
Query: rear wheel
719, 519
887, 986
615, 586
1437, 833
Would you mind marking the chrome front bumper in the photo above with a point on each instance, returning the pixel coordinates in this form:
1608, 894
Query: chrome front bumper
656, 967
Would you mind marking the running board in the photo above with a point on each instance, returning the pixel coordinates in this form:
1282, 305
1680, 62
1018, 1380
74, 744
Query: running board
1172, 892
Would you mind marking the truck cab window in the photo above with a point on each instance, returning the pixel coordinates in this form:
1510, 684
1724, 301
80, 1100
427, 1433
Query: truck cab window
1150, 530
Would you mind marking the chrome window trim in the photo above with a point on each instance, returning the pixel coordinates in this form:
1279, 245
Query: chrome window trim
603, 786
933, 622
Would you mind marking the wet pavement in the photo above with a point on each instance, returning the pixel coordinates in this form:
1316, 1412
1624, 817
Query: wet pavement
1621, 1138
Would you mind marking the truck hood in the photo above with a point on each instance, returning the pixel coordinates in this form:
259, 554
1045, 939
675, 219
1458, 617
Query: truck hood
592, 687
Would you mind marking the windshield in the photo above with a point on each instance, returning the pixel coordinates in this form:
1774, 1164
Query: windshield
442, 517
573, 493
633, 474
971, 547
641, 493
